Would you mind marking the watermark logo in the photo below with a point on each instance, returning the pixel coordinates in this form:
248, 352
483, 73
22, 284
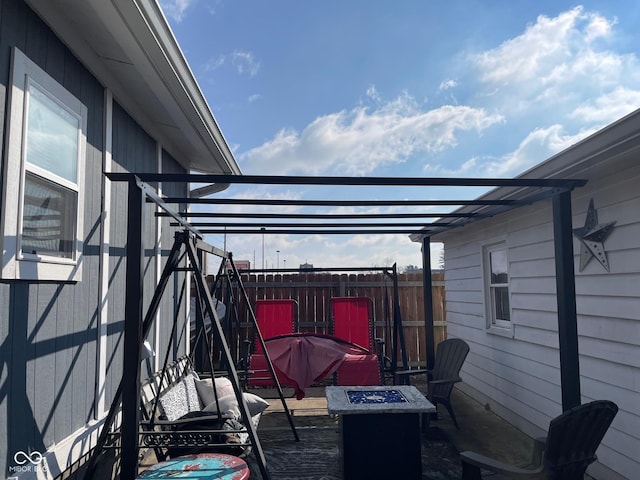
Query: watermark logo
21, 458
28, 462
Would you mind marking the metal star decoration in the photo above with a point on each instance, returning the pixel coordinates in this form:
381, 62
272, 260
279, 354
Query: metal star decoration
592, 237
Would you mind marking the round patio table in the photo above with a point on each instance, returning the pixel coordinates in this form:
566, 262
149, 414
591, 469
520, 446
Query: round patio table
202, 466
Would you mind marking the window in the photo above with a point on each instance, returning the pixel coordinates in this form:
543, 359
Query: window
44, 189
497, 286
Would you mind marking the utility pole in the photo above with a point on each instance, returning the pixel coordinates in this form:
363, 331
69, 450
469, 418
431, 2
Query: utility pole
262, 247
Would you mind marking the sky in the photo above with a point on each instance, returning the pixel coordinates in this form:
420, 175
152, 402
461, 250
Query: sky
463, 88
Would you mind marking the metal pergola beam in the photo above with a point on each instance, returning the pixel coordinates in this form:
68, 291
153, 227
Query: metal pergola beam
566, 300
312, 231
133, 338
312, 224
205, 247
361, 181
427, 292
311, 216
334, 203
318, 270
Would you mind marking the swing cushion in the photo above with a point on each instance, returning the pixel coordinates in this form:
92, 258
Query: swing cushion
181, 399
180, 410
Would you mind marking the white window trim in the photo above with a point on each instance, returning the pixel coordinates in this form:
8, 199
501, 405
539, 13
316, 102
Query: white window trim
101, 406
499, 327
14, 264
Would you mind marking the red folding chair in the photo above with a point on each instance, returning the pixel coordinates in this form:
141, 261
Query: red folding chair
359, 370
274, 318
352, 320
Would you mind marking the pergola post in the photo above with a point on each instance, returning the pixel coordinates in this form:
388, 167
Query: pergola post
427, 282
566, 298
132, 334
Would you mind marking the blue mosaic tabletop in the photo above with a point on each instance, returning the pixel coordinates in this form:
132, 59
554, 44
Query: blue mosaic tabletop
375, 396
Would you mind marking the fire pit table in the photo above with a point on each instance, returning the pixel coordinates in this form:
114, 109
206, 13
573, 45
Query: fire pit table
380, 430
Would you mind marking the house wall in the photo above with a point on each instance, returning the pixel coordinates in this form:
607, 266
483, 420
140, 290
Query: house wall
133, 150
48, 330
518, 375
51, 370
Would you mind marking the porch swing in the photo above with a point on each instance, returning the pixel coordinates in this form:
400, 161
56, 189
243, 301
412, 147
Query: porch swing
349, 354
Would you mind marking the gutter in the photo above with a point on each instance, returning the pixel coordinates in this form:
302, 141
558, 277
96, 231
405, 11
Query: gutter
208, 190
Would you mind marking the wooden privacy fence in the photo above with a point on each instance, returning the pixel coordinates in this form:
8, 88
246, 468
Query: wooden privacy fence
313, 292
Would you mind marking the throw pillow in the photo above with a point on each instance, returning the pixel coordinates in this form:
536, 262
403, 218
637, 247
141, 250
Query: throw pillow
205, 391
229, 404
192, 399
180, 399
173, 404
224, 387
255, 404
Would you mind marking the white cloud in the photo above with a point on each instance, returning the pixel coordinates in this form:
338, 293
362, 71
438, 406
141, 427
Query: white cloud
466, 169
321, 250
245, 62
447, 84
214, 63
328, 250
555, 63
561, 76
556, 76
608, 107
373, 93
212, 6
176, 9
357, 142
599, 27
539, 145
544, 45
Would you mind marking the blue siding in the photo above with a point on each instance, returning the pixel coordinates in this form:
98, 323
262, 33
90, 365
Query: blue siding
177, 283
133, 151
48, 330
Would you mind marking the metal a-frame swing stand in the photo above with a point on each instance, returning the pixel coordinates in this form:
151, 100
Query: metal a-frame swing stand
191, 247
203, 293
227, 356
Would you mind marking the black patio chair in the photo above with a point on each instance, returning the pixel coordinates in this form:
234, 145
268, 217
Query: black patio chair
569, 448
450, 356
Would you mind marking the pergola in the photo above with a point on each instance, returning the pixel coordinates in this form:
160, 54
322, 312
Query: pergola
515, 193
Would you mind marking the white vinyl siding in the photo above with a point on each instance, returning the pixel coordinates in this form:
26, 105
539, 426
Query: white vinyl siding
519, 377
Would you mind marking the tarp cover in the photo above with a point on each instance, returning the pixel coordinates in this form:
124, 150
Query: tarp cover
305, 359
